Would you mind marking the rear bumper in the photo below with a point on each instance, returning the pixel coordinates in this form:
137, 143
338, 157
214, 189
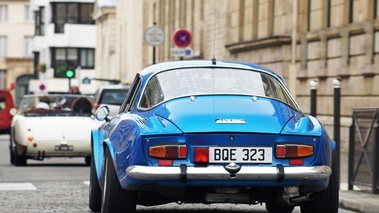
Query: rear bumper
214, 173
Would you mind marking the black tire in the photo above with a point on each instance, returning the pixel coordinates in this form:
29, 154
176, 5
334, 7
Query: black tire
114, 198
11, 155
326, 201
94, 189
18, 159
88, 160
274, 208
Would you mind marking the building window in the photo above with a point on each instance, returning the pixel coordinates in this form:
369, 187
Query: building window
87, 58
70, 58
2, 78
73, 13
40, 21
3, 45
3, 13
28, 14
28, 40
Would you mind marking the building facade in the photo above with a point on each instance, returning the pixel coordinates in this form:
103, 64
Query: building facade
65, 39
303, 40
16, 36
105, 56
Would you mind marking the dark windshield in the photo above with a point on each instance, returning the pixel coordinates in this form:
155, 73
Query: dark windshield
113, 96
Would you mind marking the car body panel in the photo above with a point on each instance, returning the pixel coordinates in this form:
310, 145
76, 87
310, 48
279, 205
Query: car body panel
63, 130
155, 114
48, 132
6, 104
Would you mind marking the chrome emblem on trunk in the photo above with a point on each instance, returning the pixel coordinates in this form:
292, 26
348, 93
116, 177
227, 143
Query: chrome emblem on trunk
230, 121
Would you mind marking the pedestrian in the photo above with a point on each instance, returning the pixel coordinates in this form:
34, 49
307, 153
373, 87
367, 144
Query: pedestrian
74, 90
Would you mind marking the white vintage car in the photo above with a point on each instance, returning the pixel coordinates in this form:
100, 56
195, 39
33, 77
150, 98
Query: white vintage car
46, 126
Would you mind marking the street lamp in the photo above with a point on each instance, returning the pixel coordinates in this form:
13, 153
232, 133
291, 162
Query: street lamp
313, 84
337, 116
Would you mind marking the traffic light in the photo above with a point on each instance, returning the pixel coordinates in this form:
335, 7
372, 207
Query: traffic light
70, 73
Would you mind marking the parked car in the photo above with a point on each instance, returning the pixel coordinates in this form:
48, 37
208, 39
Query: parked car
46, 126
211, 132
110, 95
6, 104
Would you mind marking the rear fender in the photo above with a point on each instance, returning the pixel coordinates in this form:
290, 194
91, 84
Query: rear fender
98, 152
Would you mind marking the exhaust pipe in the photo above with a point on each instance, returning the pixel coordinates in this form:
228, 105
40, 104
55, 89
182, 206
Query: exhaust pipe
302, 198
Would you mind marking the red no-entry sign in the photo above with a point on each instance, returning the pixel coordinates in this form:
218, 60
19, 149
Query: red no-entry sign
182, 38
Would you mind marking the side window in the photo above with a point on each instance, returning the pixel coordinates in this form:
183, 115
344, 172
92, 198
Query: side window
2, 103
153, 94
130, 99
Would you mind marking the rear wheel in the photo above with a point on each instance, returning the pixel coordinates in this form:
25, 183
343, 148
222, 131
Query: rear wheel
11, 154
326, 201
94, 189
18, 160
114, 197
88, 160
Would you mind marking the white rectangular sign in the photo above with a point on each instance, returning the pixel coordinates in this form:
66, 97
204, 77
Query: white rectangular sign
181, 52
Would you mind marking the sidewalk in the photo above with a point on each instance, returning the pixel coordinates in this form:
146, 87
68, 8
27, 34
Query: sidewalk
360, 199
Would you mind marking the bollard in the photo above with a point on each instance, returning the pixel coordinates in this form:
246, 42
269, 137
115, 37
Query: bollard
313, 84
337, 116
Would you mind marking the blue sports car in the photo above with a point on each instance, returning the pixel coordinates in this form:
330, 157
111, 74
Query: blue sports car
211, 131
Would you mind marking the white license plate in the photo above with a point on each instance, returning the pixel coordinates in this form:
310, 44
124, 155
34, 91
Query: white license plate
64, 148
240, 154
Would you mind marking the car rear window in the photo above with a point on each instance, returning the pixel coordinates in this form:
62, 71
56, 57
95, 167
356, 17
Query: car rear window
113, 96
208, 81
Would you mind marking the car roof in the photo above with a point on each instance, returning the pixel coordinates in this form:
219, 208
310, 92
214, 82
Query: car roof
114, 86
156, 68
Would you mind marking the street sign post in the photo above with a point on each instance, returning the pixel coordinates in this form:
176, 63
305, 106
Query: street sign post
181, 52
182, 38
154, 36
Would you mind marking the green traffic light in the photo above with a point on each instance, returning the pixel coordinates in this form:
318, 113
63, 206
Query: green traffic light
69, 73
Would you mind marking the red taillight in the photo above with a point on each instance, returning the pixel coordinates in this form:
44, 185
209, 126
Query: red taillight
293, 151
168, 151
201, 155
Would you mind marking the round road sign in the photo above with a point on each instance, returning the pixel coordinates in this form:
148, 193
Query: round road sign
154, 36
42, 87
182, 38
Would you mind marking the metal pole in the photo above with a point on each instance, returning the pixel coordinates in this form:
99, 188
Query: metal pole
153, 54
337, 116
154, 23
69, 86
313, 85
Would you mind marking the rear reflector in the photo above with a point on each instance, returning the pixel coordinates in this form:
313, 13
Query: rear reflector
201, 155
164, 162
293, 151
298, 162
168, 151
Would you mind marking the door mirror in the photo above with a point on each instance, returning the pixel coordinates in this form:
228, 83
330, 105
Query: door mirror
102, 113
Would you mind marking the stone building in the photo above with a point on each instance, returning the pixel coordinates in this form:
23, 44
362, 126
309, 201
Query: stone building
303, 40
16, 36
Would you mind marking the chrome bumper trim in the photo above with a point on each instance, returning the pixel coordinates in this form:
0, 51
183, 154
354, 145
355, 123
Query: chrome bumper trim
297, 173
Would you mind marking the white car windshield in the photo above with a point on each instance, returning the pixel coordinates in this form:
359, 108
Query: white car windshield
212, 81
57, 104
